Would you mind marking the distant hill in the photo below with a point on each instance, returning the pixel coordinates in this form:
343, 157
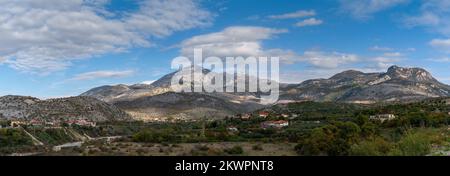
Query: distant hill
62, 108
172, 105
397, 84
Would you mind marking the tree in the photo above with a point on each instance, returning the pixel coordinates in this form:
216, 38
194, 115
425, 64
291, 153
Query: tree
368, 130
413, 144
334, 139
361, 119
236, 150
319, 141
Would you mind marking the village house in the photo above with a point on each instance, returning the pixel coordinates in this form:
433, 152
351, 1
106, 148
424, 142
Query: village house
285, 115
81, 122
293, 116
232, 129
264, 114
275, 124
52, 123
246, 116
17, 123
35, 122
383, 117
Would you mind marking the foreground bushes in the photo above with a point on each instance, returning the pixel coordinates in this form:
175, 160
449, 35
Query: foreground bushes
156, 136
13, 138
333, 139
413, 143
372, 147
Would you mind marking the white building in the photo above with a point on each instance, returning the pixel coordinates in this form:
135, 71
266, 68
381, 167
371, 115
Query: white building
275, 124
383, 117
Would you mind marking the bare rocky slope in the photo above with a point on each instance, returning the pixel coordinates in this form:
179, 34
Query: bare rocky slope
181, 106
21, 107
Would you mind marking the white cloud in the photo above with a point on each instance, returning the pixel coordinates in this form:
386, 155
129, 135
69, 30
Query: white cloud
148, 82
297, 14
425, 19
309, 22
410, 49
433, 15
380, 48
381, 63
232, 41
443, 59
442, 44
363, 9
162, 18
328, 60
102, 74
253, 17
247, 41
43, 36
393, 54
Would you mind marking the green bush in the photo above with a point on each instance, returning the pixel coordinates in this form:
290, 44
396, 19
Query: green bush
51, 136
334, 139
257, 147
156, 136
236, 150
372, 147
14, 138
413, 144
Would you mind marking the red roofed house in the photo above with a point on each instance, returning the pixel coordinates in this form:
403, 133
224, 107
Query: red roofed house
263, 114
275, 124
246, 116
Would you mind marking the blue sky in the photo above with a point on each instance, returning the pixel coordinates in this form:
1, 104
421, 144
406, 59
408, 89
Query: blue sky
51, 48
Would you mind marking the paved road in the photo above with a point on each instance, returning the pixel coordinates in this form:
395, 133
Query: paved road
79, 143
67, 145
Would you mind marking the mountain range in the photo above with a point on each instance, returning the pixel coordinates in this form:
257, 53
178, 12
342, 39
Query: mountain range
397, 84
157, 101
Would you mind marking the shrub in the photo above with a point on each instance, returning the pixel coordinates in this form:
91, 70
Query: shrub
202, 147
147, 135
14, 138
333, 139
236, 150
413, 144
372, 147
257, 147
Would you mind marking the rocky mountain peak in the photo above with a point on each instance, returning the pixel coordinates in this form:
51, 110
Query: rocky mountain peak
412, 74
